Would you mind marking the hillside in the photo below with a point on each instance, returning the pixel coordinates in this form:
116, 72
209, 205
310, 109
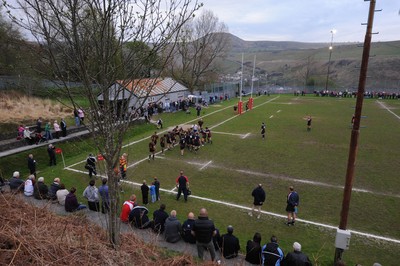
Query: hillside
286, 63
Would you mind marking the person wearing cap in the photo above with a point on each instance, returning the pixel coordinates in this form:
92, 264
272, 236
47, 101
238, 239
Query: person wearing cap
271, 253
229, 244
54, 187
40, 189
259, 198
297, 258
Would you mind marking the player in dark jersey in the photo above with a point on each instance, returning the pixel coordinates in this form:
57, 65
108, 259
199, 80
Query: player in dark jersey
152, 150
162, 143
263, 130
208, 131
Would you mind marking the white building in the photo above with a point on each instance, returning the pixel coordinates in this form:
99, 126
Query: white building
141, 92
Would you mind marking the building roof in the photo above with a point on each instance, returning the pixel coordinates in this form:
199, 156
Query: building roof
152, 87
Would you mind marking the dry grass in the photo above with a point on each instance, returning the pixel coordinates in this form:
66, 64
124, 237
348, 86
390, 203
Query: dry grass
17, 108
35, 236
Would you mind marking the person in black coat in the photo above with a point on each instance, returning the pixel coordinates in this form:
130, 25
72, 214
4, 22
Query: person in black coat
63, 126
52, 154
145, 193
253, 250
259, 198
91, 165
297, 258
40, 189
157, 185
229, 244
159, 218
204, 230
31, 165
187, 229
138, 217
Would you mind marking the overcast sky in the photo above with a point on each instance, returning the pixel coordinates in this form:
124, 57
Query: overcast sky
306, 20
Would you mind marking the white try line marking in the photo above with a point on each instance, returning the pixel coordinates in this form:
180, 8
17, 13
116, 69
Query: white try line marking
387, 108
205, 165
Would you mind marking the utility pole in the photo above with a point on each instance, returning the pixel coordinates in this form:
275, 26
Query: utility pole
354, 140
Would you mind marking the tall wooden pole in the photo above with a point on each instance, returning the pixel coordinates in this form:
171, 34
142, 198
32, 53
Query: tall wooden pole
356, 128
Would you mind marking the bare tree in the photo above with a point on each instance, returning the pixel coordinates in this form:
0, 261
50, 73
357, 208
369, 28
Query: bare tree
203, 42
86, 39
307, 70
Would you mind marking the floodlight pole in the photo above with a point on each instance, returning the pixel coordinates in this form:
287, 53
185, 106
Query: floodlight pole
329, 60
356, 128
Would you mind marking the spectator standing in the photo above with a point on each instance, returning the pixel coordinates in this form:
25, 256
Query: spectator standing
54, 187
28, 186
157, 186
259, 198
187, 228
52, 154
198, 110
182, 183
39, 128
63, 126
81, 115
291, 207
272, 254
31, 165
16, 183
297, 258
40, 189
57, 129
123, 165
105, 198
145, 193
71, 202
127, 207
91, 193
204, 230
229, 244
153, 192
77, 119
159, 218
253, 250
47, 131
91, 165
62, 194
173, 228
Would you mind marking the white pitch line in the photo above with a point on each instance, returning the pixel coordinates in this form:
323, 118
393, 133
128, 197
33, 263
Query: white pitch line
245, 136
205, 165
271, 116
278, 111
227, 133
390, 111
278, 215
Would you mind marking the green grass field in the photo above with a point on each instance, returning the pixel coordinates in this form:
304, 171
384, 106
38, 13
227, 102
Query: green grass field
313, 162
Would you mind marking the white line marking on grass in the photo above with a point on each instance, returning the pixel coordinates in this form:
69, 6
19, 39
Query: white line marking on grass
245, 136
271, 116
278, 111
227, 133
205, 165
387, 108
277, 215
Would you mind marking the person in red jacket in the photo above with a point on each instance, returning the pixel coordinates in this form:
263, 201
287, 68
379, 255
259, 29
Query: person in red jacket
127, 207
